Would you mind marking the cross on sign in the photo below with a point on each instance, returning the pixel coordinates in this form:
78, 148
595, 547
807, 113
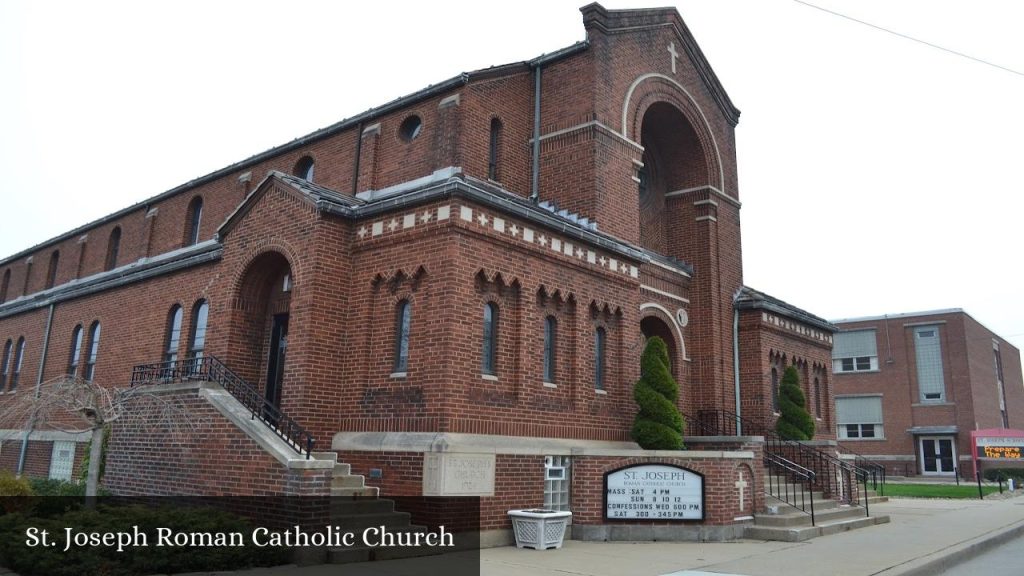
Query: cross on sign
672, 51
741, 484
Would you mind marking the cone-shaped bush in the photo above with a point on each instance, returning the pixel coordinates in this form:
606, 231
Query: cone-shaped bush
658, 425
794, 423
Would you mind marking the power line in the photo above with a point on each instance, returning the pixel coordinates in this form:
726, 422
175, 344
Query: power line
911, 38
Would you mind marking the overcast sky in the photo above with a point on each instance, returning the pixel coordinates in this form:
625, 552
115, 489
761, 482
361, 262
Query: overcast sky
877, 175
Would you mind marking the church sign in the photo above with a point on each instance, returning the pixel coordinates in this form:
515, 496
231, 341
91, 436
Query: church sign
653, 492
1000, 448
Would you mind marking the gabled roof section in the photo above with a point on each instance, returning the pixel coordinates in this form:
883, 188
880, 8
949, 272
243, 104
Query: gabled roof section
750, 299
318, 196
617, 21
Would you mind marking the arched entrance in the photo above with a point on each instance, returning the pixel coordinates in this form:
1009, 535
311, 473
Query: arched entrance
260, 334
654, 326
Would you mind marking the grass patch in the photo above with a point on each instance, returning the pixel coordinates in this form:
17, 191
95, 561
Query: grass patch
936, 490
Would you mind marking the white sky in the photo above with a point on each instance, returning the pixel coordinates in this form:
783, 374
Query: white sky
877, 175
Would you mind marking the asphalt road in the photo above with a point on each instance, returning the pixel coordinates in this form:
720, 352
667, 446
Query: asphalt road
1006, 560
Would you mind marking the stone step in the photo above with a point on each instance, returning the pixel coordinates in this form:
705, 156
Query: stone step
342, 469
342, 506
802, 533
820, 502
355, 492
348, 481
329, 456
395, 521
799, 518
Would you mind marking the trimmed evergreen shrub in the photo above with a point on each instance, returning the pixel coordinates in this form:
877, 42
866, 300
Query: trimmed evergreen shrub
1004, 474
658, 424
795, 423
11, 485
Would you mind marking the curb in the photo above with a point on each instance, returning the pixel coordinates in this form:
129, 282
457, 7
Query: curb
946, 559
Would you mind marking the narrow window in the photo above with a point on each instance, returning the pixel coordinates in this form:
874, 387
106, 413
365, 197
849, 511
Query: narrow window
113, 247
93, 350
76, 351
4, 285
402, 338
195, 218
28, 277
51, 273
494, 156
775, 389
6, 365
817, 397
599, 338
173, 336
550, 334
197, 339
928, 355
490, 352
304, 168
19, 357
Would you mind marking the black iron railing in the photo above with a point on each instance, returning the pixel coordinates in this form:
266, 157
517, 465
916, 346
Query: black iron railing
208, 368
875, 470
790, 483
835, 478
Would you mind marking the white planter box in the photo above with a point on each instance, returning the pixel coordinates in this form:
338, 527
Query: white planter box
539, 529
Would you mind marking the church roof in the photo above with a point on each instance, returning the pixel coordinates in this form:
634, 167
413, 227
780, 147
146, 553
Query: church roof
751, 299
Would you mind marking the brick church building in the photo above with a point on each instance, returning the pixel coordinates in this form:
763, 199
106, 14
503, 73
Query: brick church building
449, 293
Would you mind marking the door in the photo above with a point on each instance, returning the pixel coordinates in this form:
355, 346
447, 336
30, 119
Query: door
275, 361
938, 456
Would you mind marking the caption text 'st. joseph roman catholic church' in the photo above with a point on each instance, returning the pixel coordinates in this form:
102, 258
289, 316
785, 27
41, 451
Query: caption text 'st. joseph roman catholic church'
449, 293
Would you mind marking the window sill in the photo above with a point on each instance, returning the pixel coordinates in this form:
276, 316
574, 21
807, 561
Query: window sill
932, 403
848, 372
550, 385
490, 377
399, 374
601, 392
882, 439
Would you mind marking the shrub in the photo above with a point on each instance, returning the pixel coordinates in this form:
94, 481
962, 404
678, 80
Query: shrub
795, 423
11, 485
1004, 474
658, 424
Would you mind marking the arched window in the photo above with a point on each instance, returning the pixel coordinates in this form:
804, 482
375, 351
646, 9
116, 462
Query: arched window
173, 336
817, 397
113, 247
304, 168
599, 340
195, 218
197, 336
6, 283
19, 358
402, 320
51, 273
494, 156
490, 352
76, 351
550, 335
775, 389
28, 276
6, 368
93, 350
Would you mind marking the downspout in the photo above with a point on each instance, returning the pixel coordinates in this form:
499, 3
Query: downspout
39, 382
736, 362
535, 180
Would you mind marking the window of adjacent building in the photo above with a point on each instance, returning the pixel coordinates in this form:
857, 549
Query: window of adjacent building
4, 285
557, 482
197, 340
550, 336
859, 417
76, 351
599, 354
6, 368
19, 358
854, 351
113, 247
494, 153
195, 218
173, 338
93, 350
51, 272
490, 351
402, 323
304, 168
928, 354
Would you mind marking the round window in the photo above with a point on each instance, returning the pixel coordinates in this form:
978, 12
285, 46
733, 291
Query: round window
410, 128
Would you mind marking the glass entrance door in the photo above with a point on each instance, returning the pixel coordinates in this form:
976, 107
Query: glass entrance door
938, 456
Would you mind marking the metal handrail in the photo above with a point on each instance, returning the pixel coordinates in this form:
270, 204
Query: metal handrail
210, 369
835, 478
785, 491
875, 469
